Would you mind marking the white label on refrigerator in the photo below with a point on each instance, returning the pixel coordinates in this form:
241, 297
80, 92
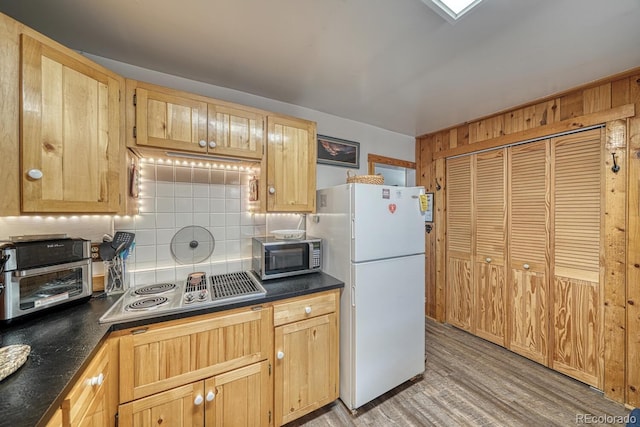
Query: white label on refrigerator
386, 194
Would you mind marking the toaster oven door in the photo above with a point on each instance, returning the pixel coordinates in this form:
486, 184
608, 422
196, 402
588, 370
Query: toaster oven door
32, 290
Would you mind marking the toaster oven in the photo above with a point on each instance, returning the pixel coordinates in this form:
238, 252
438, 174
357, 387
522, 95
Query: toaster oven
42, 274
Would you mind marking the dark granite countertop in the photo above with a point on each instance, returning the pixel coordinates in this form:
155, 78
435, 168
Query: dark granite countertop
63, 342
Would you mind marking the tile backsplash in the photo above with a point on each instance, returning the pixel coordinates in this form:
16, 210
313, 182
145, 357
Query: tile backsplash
213, 201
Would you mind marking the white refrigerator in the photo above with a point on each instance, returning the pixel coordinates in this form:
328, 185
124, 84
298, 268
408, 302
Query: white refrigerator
373, 240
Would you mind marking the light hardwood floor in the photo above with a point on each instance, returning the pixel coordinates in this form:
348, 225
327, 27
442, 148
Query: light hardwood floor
471, 382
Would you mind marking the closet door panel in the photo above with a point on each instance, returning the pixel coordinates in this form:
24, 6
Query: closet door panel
577, 289
490, 231
459, 299
529, 226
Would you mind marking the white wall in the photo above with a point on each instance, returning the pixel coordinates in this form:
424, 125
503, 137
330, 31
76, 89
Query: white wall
372, 139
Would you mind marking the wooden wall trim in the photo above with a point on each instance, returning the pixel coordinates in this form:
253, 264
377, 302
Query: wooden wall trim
601, 117
613, 275
632, 393
375, 158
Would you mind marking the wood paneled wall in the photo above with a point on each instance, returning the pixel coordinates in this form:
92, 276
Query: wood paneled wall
614, 101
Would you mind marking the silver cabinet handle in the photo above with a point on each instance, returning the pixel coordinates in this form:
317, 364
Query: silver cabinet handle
34, 173
202, 143
97, 380
280, 355
525, 266
212, 144
272, 190
210, 396
198, 400
487, 259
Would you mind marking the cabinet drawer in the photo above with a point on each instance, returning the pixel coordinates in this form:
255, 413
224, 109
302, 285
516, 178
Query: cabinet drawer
90, 386
304, 308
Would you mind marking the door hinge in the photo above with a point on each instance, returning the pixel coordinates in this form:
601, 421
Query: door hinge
269, 417
135, 132
135, 99
269, 368
119, 95
116, 423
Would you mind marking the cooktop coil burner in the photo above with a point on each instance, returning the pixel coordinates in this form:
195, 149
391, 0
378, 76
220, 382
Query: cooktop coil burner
146, 303
154, 289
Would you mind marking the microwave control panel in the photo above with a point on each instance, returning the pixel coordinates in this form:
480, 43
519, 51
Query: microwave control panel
315, 258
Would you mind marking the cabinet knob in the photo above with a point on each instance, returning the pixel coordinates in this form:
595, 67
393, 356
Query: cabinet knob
198, 400
202, 143
487, 259
210, 396
34, 173
280, 355
212, 144
307, 310
97, 380
272, 190
525, 266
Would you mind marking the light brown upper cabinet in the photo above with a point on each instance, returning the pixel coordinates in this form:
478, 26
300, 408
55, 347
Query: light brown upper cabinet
291, 165
173, 120
70, 132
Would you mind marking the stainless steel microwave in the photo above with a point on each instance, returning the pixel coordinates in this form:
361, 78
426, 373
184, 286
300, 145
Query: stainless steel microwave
273, 258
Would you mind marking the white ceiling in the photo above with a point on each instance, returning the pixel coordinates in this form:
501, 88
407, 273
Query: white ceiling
394, 64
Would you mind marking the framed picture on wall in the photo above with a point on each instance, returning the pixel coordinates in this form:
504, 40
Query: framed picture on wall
338, 152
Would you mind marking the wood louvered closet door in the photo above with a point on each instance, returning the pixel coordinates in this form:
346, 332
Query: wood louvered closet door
459, 299
489, 211
576, 284
529, 250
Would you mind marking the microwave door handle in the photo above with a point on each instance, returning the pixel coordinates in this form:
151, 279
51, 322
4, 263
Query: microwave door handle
272, 265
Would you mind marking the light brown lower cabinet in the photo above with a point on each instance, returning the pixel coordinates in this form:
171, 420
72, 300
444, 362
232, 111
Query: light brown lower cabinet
215, 369
306, 355
56, 419
237, 398
90, 403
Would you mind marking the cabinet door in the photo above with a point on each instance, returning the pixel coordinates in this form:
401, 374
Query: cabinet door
160, 357
240, 398
235, 132
178, 407
529, 250
459, 295
576, 285
490, 229
86, 403
70, 133
170, 120
306, 366
291, 165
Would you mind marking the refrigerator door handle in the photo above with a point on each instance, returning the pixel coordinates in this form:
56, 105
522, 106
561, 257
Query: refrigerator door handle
353, 296
353, 227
